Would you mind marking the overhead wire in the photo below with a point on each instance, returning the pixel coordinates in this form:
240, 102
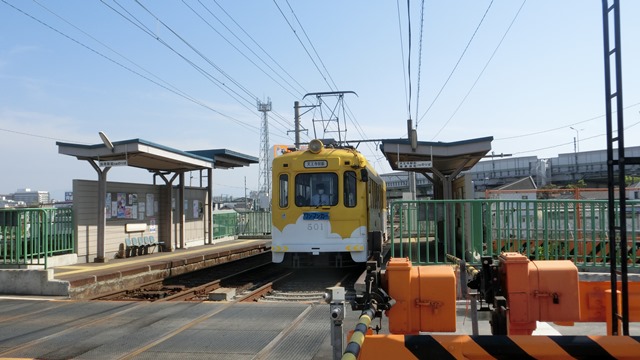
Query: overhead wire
111, 49
419, 61
304, 91
205, 73
571, 142
348, 114
561, 127
404, 73
303, 46
409, 55
481, 72
240, 51
200, 53
239, 122
335, 87
457, 63
136, 22
39, 136
277, 115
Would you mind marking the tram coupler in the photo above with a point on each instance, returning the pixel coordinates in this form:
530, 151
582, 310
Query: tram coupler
335, 297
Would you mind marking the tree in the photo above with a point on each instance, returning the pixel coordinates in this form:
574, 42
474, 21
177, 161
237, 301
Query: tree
580, 184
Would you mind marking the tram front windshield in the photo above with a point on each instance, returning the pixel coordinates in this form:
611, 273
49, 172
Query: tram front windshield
316, 189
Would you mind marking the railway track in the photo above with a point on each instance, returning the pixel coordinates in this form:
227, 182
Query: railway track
191, 285
252, 280
309, 285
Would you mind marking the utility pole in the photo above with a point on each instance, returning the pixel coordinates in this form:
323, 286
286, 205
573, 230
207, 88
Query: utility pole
296, 114
264, 180
296, 122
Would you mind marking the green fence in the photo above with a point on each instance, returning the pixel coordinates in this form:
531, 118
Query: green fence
30, 236
578, 230
254, 223
225, 225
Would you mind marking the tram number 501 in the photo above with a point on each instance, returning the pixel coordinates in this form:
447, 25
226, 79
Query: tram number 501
315, 226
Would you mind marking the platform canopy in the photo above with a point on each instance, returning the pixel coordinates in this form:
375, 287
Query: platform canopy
447, 158
154, 157
158, 159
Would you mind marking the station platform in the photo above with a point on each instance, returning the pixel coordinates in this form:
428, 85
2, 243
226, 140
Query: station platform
92, 279
88, 280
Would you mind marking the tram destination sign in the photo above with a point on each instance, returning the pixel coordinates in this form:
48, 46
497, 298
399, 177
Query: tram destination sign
315, 164
113, 163
414, 164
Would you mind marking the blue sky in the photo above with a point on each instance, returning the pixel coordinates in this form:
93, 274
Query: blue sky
97, 71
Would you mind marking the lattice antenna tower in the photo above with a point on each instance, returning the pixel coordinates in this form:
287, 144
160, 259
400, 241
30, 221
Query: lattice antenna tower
264, 181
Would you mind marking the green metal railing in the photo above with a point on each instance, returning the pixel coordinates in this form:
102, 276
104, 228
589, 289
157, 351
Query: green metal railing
577, 230
29, 236
254, 223
225, 225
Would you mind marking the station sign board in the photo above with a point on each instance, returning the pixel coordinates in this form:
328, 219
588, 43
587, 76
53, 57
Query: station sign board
113, 163
414, 164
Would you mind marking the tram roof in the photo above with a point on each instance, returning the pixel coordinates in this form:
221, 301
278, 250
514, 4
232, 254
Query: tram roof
448, 158
155, 157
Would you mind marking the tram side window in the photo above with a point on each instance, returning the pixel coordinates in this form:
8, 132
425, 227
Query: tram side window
350, 182
284, 191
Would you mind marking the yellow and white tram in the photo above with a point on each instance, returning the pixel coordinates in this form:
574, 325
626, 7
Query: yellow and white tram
326, 203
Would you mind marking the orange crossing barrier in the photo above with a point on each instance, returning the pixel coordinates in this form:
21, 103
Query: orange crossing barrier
499, 347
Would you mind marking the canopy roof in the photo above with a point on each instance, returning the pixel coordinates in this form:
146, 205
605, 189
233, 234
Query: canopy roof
157, 158
447, 158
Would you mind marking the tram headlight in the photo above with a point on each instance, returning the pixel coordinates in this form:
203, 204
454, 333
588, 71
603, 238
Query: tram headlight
315, 146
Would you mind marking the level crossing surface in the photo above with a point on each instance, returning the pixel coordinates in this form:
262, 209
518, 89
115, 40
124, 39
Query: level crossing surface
142, 330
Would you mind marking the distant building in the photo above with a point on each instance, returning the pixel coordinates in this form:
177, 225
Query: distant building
565, 169
6, 203
31, 197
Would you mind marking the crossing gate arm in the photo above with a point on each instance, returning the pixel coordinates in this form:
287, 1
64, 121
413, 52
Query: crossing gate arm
499, 347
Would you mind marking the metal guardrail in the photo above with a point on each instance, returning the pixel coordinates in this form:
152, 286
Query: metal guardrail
225, 225
577, 230
253, 223
29, 236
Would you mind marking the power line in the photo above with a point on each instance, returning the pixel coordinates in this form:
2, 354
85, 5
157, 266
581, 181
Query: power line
304, 47
560, 127
571, 142
409, 56
38, 136
111, 49
404, 73
481, 72
419, 60
204, 57
458, 62
256, 43
206, 74
285, 125
335, 87
248, 126
240, 51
